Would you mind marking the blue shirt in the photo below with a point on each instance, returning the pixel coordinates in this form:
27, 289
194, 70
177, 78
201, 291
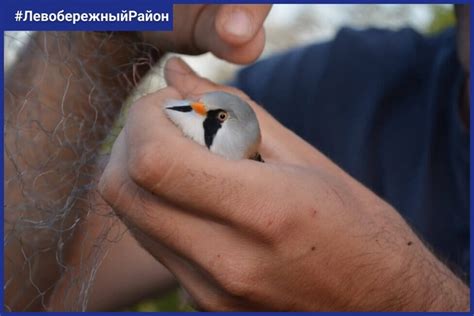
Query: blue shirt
384, 106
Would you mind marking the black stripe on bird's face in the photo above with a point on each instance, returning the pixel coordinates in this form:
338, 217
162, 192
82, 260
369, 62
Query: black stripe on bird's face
211, 125
185, 108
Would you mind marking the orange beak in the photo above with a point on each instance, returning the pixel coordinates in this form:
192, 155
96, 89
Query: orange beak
199, 107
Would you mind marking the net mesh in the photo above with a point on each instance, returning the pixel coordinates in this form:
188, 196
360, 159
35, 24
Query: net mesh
62, 98
64, 106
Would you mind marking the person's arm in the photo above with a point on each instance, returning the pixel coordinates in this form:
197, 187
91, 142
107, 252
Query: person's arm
293, 233
122, 271
61, 98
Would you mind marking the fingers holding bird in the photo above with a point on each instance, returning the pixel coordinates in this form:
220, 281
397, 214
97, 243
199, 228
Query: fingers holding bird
222, 226
161, 160
279, 144
194, 211
229, 229
169, 234
188, 232
179, 171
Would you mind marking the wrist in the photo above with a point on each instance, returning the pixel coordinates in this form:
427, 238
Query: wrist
423, 283
399, 273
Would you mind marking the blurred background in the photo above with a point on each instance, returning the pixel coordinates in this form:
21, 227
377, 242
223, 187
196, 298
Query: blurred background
288, 26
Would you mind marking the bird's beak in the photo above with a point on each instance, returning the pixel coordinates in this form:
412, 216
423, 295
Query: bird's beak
180, 108
199, 108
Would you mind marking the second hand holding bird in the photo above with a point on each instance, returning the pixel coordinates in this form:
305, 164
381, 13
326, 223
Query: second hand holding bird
295, 233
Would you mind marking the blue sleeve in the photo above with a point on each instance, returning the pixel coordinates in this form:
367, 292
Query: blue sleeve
331, 87
383, 105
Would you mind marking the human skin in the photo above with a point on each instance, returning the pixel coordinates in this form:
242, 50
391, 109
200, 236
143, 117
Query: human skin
54, 90
463, 16
59, 104
294, 233
61, 99
231, 32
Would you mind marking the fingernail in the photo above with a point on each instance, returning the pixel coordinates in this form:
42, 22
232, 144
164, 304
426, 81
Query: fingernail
179, 64
238, 24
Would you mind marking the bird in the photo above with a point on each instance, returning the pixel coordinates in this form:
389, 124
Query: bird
221, 121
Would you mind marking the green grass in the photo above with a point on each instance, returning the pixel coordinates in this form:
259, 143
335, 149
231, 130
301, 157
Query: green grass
167, 303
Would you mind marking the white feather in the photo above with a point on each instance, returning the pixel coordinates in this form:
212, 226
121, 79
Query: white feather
190, 123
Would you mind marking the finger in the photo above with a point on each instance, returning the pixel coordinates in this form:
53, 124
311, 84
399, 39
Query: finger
202, 290
207, 38
188, 245
244, 54
205, 293
188, 175
178, 75
181, 77
238, 24
178, 230
275, 137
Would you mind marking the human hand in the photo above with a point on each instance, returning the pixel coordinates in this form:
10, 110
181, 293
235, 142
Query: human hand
293, 233
231, 32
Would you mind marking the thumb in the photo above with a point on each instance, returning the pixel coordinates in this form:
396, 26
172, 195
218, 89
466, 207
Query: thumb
190, 85
181, 77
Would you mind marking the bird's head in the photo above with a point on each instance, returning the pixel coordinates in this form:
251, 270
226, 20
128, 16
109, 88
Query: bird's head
223, 122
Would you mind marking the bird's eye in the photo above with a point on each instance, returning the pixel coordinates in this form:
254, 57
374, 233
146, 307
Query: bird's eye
222, 116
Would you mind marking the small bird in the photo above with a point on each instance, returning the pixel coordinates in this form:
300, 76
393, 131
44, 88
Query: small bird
221, 121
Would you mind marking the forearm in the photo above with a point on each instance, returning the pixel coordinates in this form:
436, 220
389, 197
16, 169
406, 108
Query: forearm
426, 284
395, 270
124, 272
61, 99
399, 271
